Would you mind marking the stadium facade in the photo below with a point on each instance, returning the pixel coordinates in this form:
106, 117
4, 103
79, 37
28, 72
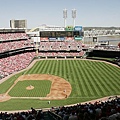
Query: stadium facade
18, 23
57, 33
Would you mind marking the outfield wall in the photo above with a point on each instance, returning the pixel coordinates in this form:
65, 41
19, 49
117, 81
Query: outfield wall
104, 53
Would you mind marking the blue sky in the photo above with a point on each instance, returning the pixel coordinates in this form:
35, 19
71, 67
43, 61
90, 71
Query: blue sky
105, 13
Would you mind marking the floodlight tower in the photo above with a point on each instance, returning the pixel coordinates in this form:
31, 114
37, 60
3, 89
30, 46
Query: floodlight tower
73, 16
65, 16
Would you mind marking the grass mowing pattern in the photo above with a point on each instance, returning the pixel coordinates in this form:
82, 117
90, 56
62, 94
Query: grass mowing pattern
41, 88
89, 80
7, 84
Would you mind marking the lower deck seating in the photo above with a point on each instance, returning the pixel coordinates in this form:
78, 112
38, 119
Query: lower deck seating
15, 63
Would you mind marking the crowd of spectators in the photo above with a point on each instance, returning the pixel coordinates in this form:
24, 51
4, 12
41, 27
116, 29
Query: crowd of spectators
61, 45
13, 45
13, 36
15, 41
107, 47
15, 63
100, 110
61, 54
28, 115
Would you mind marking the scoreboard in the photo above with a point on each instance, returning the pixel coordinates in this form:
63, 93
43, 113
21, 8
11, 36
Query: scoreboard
56, 34
68, 34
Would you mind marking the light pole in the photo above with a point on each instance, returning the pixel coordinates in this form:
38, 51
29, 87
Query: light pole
65, 16
73, 16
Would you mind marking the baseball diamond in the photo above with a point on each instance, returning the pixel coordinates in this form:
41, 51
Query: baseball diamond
51, 70
71, 81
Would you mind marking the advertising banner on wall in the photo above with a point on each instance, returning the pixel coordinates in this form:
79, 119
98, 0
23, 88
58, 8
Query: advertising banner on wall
69, 28
61, 38
69, 38
43, 38
78, 28
35, 39
52, 38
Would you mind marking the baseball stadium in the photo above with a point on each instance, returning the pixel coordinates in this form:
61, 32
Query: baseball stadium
51, 72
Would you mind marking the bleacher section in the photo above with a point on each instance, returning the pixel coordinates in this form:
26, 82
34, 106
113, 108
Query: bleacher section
17, 50
63, 45
14, 44
61, 54
15, 63
13, 36
99, 110
13, 52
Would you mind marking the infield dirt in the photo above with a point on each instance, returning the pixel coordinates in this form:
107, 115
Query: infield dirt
60, 88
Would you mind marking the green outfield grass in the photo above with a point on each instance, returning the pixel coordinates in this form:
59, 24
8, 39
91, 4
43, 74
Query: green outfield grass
89, 80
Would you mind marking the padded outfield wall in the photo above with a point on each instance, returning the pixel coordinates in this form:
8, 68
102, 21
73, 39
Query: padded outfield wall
104, 53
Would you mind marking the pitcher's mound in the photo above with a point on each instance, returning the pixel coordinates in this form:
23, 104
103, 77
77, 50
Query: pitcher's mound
29, 87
